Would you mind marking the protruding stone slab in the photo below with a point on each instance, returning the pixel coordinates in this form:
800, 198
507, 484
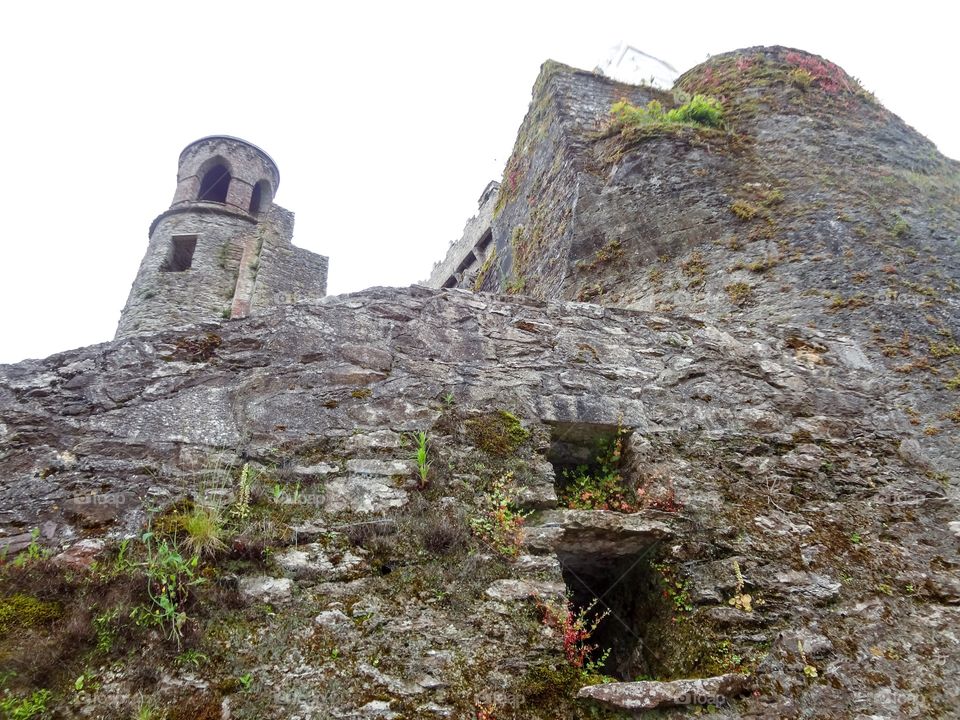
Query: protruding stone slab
510, 589
650, 695
541, 496
599, 532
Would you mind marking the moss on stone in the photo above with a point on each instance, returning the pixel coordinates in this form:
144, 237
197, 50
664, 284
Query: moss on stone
546, 685
484, 271
552, 688
499, 433
25, 611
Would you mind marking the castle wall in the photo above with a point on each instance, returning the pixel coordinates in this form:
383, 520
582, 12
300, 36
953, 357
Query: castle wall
748, 455
286, 273
535, 214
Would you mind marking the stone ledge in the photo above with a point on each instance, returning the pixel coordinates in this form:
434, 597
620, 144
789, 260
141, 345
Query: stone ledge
650, 695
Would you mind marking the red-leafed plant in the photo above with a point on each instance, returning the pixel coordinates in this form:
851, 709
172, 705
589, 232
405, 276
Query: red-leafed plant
575, 628
827, 76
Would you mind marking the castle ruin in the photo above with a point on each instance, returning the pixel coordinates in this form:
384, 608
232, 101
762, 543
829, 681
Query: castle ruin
685, 390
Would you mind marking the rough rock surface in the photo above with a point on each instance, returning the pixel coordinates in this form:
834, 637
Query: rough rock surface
797, 511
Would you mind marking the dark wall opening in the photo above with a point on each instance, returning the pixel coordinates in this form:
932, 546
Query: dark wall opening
590, 462
215, 184
485, 240
573, 443
626, 588
468, 261
180, 258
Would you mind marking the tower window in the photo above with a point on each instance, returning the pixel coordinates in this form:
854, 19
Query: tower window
215, 184
181, 253
260, 198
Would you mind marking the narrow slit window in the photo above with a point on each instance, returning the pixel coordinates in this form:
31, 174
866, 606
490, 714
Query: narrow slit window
180, 258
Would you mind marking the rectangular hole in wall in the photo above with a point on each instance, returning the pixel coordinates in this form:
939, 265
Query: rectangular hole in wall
467, 262
180, 257
574, 445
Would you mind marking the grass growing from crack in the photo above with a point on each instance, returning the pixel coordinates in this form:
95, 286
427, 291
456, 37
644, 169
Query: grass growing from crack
420, 457
204, 529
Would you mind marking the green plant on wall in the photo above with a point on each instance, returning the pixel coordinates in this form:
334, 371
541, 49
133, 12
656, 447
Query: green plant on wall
169, 577
420, 457
699, 111
599, 485
26, 708
499, 523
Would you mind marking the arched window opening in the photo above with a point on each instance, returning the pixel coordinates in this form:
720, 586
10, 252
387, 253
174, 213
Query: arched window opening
215, 184
260, 198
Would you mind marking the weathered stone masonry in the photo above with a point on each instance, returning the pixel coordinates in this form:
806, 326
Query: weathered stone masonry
223, 249
774, 349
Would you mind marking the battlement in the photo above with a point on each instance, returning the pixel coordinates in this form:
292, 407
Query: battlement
471, 252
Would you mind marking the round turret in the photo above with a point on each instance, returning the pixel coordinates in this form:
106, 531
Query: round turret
223, 248
228, 171
204, 252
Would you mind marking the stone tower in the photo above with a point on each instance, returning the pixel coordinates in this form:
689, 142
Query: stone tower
223, 249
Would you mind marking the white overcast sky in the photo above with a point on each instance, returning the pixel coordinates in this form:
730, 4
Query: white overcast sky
386, 119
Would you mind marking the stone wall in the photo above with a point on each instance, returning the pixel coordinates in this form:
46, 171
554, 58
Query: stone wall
286, 273
770, 464
812, 202
205, 291
760, 489
535, 218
